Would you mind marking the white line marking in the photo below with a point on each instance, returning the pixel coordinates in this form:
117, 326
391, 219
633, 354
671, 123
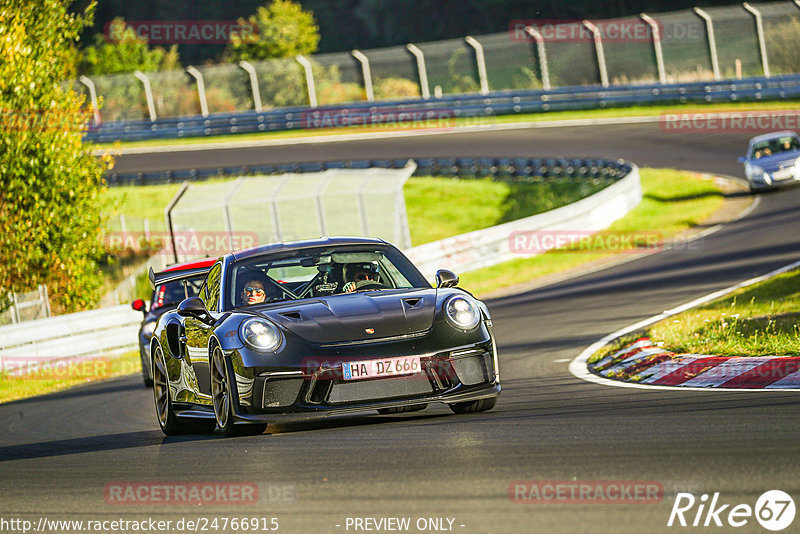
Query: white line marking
562, 360
578, 365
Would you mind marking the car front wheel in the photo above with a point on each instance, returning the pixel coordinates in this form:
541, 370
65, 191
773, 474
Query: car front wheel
222, 399
169, 422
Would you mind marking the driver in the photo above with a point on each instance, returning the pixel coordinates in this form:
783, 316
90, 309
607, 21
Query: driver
361, 275
254, 289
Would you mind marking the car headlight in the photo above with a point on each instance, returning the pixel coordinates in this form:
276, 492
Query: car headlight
149, 328
462, 312
260, 335
755, 170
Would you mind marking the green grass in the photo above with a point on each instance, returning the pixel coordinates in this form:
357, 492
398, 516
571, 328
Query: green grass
673, 202
436, 207
48, 381
632, 111
760, 320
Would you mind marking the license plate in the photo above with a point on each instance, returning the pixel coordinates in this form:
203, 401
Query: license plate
782, 175
381, 368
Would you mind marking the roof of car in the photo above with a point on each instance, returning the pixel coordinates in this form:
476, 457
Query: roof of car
305, 244
772, 135
195, 264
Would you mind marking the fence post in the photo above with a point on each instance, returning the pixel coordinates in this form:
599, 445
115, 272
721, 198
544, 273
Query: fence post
168, 217
276, 220
601, 56
312, 89
480, 59
251, 72
46, 300
533, 32
226, 210
712, 42
423, 72
762, 45
365, 70
201, 89
15, 318
662, 75
148, 93
93, 98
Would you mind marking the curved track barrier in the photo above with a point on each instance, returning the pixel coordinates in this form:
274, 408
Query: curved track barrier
446, 111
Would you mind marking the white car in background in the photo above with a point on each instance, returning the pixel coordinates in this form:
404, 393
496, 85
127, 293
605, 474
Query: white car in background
772, 160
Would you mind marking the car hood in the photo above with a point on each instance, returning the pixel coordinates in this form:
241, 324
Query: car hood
777, 161
357, 316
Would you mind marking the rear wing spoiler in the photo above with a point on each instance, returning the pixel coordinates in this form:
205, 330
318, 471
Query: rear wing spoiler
156, 279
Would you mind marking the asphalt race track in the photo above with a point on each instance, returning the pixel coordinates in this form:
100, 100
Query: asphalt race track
59, 452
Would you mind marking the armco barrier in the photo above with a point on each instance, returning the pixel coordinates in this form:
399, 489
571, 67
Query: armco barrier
483, 248
449, 107
73, 335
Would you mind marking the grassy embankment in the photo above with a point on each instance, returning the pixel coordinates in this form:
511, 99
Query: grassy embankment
759, 320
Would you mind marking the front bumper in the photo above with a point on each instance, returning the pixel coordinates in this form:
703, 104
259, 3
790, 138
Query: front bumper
460, 374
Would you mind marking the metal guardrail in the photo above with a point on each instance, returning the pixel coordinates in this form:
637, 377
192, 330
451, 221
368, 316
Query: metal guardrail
447, 108
69, 336
531, 170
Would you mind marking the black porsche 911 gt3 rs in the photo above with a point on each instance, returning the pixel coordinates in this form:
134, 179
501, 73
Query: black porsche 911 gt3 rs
314, 328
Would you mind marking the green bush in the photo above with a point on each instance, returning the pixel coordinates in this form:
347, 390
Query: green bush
50, 218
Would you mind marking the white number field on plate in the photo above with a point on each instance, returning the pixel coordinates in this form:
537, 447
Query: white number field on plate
377, 368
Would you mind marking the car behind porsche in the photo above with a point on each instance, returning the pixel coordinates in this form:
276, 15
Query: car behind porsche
315, 328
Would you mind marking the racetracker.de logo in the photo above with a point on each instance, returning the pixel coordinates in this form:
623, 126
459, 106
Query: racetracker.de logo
185, 243
181, 493
182, 31
585, 492
387, 118
50, 368
575, 31
734, 121
530, 242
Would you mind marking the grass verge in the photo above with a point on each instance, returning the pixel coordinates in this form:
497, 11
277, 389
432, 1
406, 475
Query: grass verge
673, 201
57, 377
632, 111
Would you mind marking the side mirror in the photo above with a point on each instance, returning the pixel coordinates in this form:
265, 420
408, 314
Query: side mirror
742, 159
194, 307
445, 278
138, 305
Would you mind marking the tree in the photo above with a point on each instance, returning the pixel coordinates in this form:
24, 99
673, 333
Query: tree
50, 183
281, 29
125, 51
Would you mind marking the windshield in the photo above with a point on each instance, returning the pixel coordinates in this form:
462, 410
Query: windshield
319, 273
771, 147
172, 293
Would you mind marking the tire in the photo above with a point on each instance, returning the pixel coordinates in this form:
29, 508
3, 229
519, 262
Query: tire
147, 376
402, 409
480, 405
171, 424
223, 400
